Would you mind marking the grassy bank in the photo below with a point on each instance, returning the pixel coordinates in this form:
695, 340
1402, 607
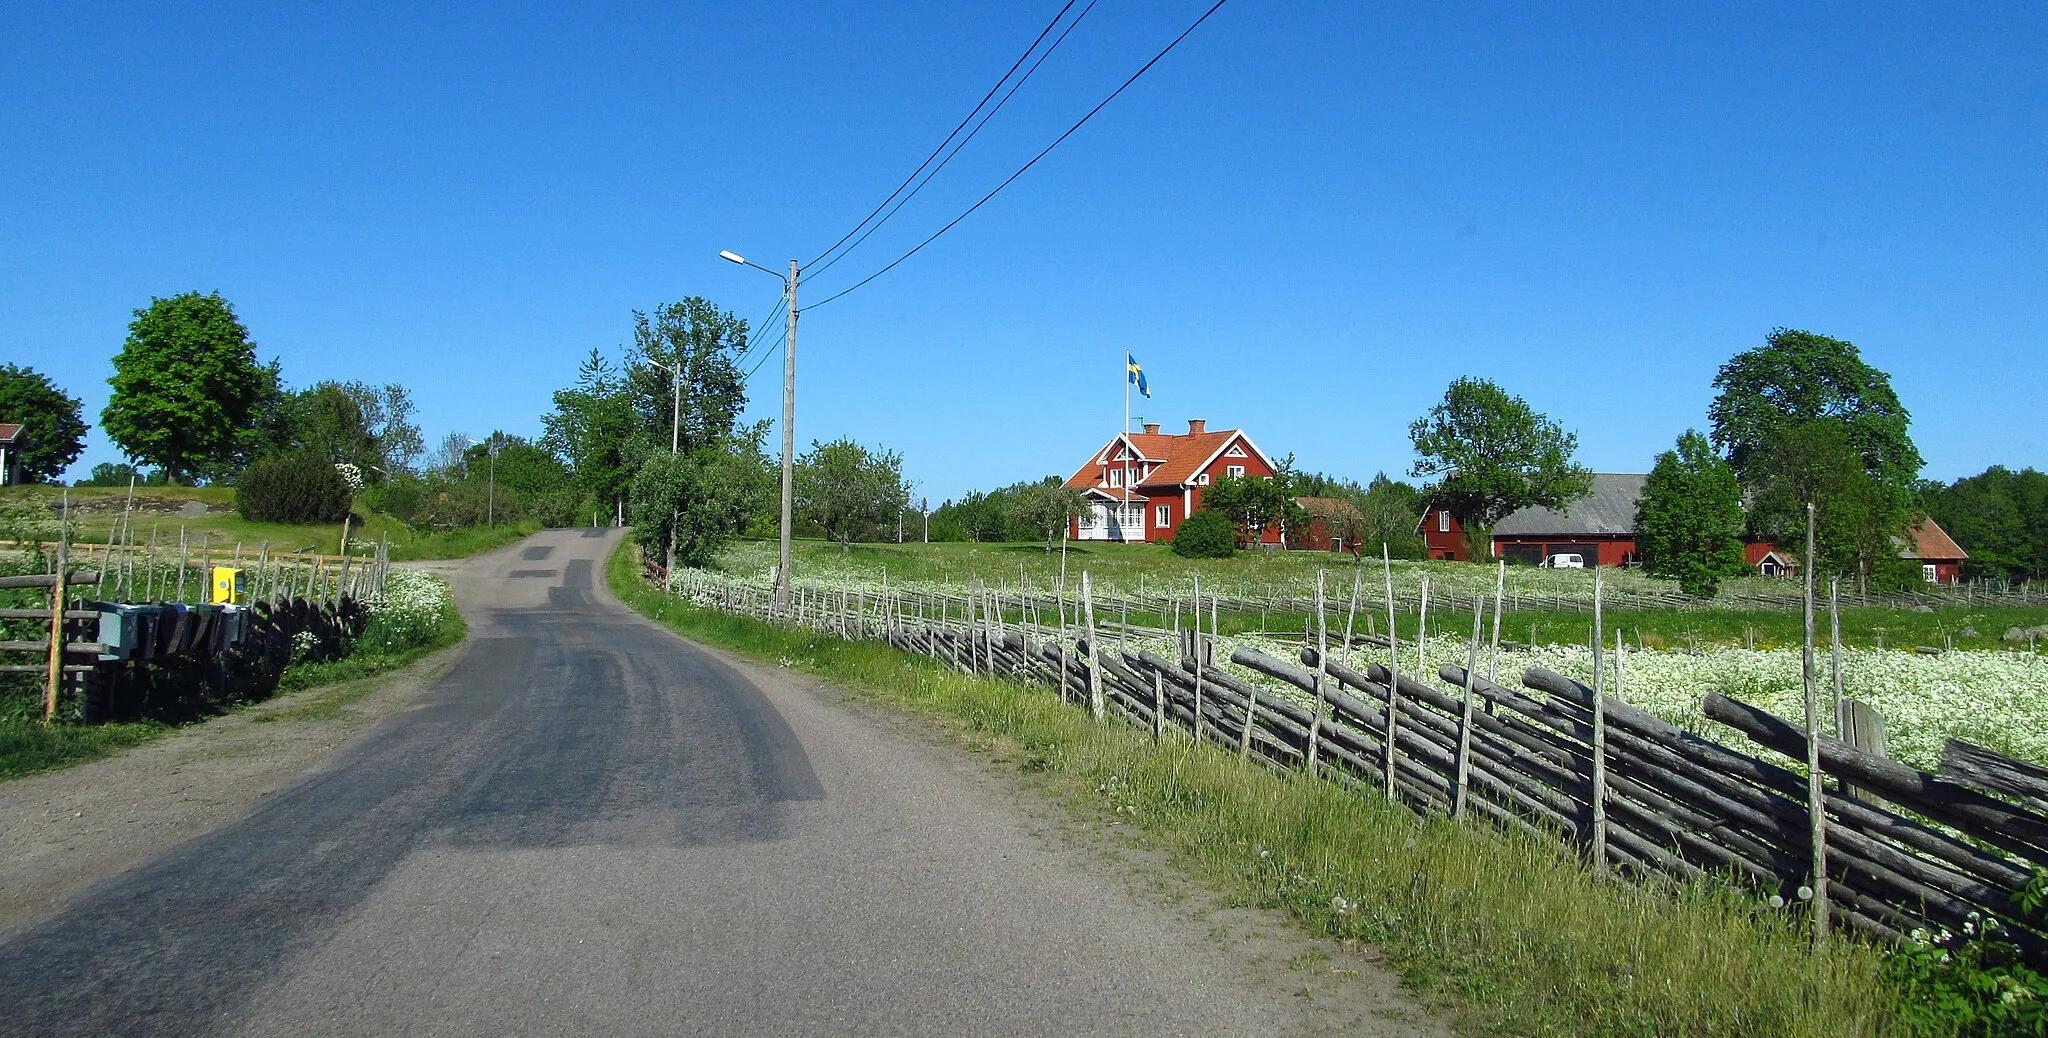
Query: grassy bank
206, 517
30, 747
1509, 934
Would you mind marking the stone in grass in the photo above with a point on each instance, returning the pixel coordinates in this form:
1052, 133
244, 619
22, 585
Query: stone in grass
2020, 634
1968, 632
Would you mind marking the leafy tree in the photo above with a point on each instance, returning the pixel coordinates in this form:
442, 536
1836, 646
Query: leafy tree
1859, 520
595, 427
1807, 400
522, 466
1493, 454
2000, 516
1799, 377
49, 416
1689, 518
1047, 506
1205, 535
185, 385
707, 343
687, 506
1251, 503
849, 490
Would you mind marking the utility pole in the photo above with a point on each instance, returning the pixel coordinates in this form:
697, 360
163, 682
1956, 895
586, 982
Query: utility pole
924, 508
675, 439
788, 439
788, 417
491, 493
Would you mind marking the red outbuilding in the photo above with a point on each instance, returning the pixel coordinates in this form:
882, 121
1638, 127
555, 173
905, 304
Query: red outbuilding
1140, 486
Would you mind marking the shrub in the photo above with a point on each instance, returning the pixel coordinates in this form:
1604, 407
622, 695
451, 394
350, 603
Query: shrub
1205, 535
292, 488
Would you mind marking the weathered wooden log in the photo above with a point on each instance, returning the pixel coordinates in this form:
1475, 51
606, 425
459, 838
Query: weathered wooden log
2021, 832
1963, 762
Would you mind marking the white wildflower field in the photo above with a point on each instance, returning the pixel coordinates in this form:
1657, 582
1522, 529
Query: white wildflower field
414, 607
1994, 699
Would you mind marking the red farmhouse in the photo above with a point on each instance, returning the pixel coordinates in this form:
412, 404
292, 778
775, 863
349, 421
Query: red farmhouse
1141, 485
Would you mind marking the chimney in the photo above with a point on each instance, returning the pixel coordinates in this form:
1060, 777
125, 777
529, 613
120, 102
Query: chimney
1195, 426
1151, 428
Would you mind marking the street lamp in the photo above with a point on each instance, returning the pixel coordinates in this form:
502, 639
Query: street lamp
788, 415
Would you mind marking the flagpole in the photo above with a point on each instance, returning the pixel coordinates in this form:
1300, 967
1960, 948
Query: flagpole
1124, 509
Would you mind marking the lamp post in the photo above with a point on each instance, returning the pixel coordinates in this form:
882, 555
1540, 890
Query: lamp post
789, 284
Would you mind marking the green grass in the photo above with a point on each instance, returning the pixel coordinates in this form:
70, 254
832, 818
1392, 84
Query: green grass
1509, 934
31, 747
97, 510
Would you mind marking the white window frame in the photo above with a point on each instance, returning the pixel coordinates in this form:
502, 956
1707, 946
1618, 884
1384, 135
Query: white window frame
1202, 480
1162, 516
1930, 572
1443, 521
1116, 477
1234, 471
1235, 451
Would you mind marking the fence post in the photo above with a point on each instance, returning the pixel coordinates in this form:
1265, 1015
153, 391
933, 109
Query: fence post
1315, 725
1158, 706
1816, 794
1599, 791
56, 632
1393, 668
1465, 714
1195, 650
1095, 704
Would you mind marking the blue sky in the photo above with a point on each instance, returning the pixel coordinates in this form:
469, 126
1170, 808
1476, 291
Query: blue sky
1305, 221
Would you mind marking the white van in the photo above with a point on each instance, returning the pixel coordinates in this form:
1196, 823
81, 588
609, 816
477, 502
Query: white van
1566, 560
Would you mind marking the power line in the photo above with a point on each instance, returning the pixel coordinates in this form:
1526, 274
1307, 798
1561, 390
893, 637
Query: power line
1027, 166
963, 142
756, 335
949, 137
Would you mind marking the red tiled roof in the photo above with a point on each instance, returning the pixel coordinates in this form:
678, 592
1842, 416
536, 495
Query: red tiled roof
1182, 455
9, 432
1931, 543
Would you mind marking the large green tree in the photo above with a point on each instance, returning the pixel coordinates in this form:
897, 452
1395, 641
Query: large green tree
1492, 454
48, 415
1689, 517
687, 505
185, 385
595, 427
1802, 419
848, 490
696, 345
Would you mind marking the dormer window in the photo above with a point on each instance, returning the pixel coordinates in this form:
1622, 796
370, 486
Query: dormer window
1116, 477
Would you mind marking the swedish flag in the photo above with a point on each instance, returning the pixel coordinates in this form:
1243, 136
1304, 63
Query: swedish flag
1137, 376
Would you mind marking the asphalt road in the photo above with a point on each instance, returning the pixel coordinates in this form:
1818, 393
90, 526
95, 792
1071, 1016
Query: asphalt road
590, 826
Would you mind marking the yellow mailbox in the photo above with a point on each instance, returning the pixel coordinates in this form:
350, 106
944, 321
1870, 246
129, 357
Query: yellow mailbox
228, 588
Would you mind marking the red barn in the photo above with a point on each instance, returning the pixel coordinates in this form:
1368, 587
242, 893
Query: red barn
1443, 534
1940, 557
1142, 485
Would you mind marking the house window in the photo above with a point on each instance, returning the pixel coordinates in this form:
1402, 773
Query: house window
1116, 477
1234, 471
1162, 516
1202, 480
1929, 573
1443, 521
1235, 451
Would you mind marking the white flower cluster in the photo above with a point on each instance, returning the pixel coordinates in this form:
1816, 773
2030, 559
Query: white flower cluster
351, 475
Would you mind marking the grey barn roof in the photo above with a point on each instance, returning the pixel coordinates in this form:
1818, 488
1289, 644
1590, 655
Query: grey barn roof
1610, 510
